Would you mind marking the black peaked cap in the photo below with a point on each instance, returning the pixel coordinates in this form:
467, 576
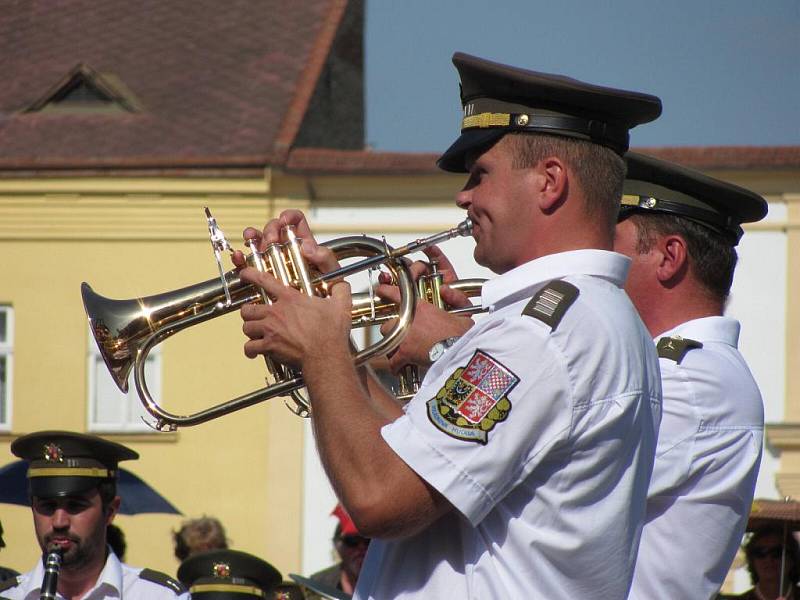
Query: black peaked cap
228, 575
658, 186
498, 99
64, 462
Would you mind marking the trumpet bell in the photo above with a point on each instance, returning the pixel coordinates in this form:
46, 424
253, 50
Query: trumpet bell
120, 327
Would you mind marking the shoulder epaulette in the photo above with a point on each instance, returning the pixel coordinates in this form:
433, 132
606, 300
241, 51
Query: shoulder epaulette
676, 347
551, 302
8, 584
162, 579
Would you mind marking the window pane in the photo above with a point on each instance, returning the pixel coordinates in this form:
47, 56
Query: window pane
3, 326
3, 388
113, 410
136, 411
110, 404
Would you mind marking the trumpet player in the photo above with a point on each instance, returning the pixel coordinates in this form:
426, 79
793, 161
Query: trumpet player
520, 468
73, 491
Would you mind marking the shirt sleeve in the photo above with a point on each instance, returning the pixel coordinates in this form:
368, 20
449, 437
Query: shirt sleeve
491, 409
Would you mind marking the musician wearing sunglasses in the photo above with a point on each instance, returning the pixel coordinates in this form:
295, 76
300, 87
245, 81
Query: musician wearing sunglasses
73, 489
351, 548
520, 468
772, 552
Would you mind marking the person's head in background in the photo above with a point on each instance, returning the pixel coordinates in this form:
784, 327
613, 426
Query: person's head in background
199, 535
763, 552
115, 538
351, 546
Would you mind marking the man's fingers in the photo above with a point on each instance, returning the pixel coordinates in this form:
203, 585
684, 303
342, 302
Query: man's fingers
390, 293
272, 286
322, 257
419, 268
253, 348
239, 259
434, 253
454, 298
251, 233
340, 291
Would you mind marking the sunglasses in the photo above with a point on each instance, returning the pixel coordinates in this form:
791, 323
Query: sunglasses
352, 541
770, 551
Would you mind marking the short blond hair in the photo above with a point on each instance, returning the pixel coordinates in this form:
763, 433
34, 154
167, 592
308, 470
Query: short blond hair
199, 535
600, 170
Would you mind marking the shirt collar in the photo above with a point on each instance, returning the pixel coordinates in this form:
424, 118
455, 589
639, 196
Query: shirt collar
110, 576
708, 329
599, 263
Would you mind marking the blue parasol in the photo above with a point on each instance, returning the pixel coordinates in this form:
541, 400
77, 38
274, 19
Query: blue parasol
137, 496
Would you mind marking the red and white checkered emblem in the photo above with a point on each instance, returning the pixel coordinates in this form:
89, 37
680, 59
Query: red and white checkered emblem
490, 381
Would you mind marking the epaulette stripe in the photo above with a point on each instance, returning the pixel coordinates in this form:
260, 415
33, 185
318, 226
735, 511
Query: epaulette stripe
675, 347
9, 583
551, 302
162, 579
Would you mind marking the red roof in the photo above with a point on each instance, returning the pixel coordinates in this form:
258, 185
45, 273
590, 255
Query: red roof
203, 86
213, 83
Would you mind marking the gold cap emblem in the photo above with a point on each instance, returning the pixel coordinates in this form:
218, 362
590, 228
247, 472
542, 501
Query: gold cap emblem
53, 453
222, 570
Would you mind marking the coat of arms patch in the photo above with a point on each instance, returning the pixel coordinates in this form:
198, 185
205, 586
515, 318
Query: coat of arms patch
473, 399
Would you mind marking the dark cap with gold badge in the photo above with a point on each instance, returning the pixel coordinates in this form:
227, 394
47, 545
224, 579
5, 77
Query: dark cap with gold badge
499, 99
657, 186
63, 462
228, 575
287, 590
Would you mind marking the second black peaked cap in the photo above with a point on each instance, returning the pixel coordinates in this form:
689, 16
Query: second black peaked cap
64, 462
658, 186
228, 575
499, 99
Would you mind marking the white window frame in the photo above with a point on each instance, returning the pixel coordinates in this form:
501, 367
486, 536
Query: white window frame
7, 352
133, 411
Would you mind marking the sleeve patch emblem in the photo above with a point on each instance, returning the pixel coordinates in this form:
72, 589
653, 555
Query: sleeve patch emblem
473, 400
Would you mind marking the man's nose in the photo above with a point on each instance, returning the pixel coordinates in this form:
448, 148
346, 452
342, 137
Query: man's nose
60, 519
464, 198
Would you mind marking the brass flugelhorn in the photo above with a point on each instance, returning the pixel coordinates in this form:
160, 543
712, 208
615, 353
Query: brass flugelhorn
127, 330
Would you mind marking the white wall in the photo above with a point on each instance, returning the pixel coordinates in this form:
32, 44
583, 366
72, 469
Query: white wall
758, 300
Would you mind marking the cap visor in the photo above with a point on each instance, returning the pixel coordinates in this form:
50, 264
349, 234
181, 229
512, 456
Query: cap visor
52, 487
454, 158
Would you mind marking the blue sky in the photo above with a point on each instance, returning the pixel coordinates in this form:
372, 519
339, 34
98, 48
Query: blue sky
728, 72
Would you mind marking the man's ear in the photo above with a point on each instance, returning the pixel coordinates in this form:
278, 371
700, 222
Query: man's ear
112, 509
674, 261
554, 184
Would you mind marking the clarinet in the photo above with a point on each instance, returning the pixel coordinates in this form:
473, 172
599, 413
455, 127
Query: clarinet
52, 565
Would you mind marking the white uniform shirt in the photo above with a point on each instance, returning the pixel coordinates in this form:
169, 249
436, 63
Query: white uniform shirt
709, 449
117, 581
550, 502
